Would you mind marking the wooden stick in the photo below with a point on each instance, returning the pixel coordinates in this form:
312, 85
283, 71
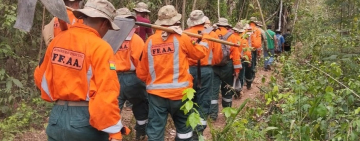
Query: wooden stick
187, 33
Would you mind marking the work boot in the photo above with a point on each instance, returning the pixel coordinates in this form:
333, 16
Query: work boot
195, 136
140, 132
248, 86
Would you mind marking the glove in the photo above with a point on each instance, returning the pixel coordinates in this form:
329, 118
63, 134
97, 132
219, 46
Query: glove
125, 131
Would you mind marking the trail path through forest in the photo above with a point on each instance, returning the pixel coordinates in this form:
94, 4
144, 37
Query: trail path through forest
170, 132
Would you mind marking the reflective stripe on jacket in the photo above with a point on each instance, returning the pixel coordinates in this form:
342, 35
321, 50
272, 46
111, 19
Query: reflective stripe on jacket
77, 66
234, 51
128, 55
164, 65
214, 53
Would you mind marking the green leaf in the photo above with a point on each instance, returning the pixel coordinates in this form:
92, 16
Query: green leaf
201, 137
17, 83
227, 111
189, 105
357, 111
189, 92
193, 120
329, 89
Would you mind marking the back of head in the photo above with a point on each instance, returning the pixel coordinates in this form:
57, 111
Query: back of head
269, 27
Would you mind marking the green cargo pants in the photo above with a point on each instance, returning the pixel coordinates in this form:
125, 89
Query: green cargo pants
203, 94
159, 108
223, 76
134, 90
71, 123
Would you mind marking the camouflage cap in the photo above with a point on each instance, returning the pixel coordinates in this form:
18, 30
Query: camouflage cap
223, 22
141, 7
98, 9
197, 17
168, 15
124, 13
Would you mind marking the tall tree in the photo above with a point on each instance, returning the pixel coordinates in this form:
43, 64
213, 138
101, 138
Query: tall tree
183, 14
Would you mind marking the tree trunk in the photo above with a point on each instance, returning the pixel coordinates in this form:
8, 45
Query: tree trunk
176, 4
242, 9
194, 5
296, 9
218, 5
183, 14
280, 14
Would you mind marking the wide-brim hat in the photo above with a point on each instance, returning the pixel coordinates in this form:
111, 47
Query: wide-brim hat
239, 27
168, 15
125, 13
253, 19
98, 9
223, 22
141, 7
196, 17
259, 23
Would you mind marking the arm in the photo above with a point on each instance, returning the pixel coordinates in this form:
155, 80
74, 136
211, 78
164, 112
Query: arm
103, 105
216, 49
142, 69
235, 55
39, 72
137, 45
196, 51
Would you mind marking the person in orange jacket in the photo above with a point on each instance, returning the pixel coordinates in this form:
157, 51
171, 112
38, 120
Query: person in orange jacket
78, 74
224, 75
54, 25
256, 43
164, 67
196, 23
132, 88
245, 52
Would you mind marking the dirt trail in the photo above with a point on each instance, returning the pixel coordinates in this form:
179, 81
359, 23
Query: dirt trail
129, 120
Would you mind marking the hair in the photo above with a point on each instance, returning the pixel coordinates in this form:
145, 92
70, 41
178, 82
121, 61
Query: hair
269, 26
142, 14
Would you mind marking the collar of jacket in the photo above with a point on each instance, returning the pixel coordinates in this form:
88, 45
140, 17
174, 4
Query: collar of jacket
85, 27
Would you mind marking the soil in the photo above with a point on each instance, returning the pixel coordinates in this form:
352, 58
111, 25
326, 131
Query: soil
170, 132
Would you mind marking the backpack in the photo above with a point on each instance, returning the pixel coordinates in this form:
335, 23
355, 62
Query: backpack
288, 38
225, 50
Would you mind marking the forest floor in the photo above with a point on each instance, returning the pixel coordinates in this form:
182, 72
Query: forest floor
170, 132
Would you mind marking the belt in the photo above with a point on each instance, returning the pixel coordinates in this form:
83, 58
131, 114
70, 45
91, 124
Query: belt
72, 103
125, 72
203, 66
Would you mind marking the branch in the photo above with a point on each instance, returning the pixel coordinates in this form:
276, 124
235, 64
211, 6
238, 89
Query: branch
342, 84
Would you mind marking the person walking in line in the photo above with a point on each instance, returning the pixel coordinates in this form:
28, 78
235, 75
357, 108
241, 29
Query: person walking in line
132, 88
270, 53
52, 29
164, 67
280, 43
245, 53
142, 14
256, 44
196, 23
78, 74
226, 71
288, 39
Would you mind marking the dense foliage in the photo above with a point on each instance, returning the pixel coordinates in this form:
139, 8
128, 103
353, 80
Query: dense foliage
300, 103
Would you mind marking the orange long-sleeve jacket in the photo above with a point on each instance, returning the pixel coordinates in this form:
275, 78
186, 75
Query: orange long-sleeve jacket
77, 66
128, 55
164, 66
213, 55
244, 49
72, 19
255, 37
234, 51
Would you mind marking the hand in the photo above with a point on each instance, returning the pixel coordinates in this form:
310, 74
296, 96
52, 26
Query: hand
115, 140
125, 130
